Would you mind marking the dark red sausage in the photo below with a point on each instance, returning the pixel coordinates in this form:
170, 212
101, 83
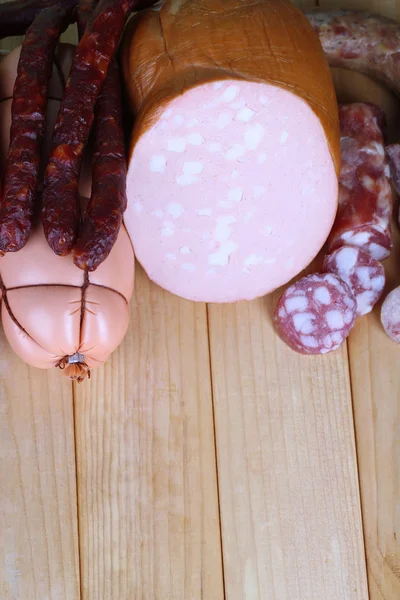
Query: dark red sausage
85, 9
60, 215
365, 197
361, 41
16, 17
103, 217
27, 126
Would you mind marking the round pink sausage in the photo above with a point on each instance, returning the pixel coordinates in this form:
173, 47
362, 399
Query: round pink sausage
390, 315
315, 314
364, 275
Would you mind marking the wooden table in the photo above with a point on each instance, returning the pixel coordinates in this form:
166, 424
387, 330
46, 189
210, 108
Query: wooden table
206, 459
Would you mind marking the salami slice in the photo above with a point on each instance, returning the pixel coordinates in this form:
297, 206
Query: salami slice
390, 315
364, 275
365, 195
315, 314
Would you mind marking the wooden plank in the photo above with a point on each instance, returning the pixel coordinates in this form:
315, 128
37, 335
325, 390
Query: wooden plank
376, 387
289, 498
38, 516
148, 505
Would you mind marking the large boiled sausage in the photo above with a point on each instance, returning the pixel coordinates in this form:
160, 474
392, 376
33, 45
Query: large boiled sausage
53, 313
232, 182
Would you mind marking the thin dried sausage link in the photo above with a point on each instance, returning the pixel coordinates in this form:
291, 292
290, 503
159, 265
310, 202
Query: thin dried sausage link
27, 126
103, 217
60, 215
16, 17
85, 9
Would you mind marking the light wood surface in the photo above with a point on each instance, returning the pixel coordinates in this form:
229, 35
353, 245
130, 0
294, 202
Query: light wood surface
38, 503
206, 460
148, 498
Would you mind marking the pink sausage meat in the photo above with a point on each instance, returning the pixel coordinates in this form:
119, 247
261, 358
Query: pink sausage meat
218, 187
315, 314
364, 275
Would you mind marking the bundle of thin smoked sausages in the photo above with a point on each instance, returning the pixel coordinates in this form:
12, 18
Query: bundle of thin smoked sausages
232, 180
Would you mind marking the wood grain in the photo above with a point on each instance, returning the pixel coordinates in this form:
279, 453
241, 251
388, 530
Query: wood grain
148, 503
38, 504
289, 500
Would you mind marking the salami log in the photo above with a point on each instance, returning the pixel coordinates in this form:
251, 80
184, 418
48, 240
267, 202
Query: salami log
361, 41
16, 16
365, 196
235, 149
54, 314
27, 126
390, 315
60, 215
315, 314
364, 275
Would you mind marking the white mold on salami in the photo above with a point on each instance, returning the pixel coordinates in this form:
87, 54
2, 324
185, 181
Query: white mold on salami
390, 315
364, 275
315, 314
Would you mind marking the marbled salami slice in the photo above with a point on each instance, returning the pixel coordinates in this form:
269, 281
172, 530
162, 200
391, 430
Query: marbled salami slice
390, 315
364, 275
365, 195
315, 314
